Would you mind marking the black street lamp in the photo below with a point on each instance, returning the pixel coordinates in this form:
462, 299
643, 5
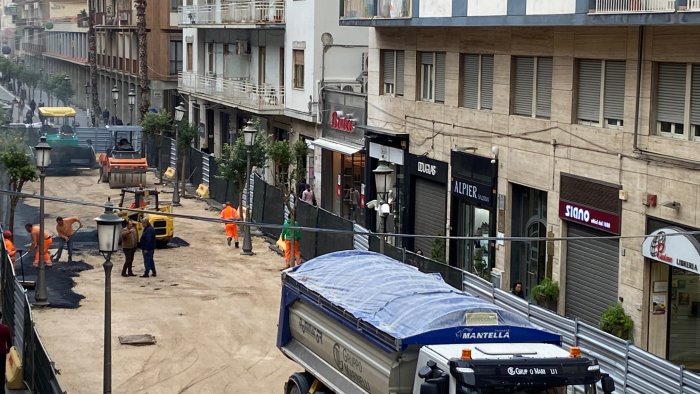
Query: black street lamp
43, 158
108, 232
115, 97
87, 100
132, 102
179, 114
384, 181
249, 138
15, 102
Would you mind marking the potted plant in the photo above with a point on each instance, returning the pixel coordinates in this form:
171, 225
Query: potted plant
546, 294
616, 322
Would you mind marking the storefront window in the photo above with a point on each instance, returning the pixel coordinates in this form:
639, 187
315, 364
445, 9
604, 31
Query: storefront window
684, 319
352, 178
529, 220
473, 255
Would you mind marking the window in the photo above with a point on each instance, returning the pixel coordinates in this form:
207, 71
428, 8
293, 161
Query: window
678, 100
261, 65
601, 93
298, 82
174, 4
532, 87
189, 57
210, 57
432, 76
392, 72
175, 57
477, 81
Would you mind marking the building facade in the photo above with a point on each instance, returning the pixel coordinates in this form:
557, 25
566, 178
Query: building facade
564, 118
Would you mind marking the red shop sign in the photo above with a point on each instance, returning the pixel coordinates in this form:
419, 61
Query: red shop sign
590, 217
342, 122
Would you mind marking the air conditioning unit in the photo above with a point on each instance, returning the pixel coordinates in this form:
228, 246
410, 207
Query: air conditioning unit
352, 87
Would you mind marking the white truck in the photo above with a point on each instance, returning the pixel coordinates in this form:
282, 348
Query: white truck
359, 322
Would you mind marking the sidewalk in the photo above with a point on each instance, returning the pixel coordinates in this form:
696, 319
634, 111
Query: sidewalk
80, 113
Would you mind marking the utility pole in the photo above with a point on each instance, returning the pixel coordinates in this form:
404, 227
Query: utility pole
92, 61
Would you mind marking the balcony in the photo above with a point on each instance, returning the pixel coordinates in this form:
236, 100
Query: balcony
234, 91
117, 63
123, 18
633, 6
367, 9
247, 12
33, 48
693, 5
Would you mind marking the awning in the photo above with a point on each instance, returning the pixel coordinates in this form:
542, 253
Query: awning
338, 147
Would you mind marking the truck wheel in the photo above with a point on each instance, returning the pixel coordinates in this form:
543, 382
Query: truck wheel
297, 384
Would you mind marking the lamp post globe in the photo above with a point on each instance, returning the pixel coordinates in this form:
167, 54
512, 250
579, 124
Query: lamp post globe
115, 97
384, 181
132, 102
42, 153
87, 88
249, 132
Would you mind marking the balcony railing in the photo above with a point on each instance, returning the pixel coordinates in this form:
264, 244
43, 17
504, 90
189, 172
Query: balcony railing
34, 48
117, 63
243, 12
122, 18
239, 92
633, 6
364, 9
693, 5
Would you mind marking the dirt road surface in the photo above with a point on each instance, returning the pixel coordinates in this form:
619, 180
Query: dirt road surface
212, 311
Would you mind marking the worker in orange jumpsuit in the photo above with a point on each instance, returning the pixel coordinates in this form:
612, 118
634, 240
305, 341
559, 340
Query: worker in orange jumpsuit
230, 213
36, 238
9, 245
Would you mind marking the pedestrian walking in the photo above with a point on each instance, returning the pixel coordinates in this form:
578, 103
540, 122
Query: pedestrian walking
355, 198
5, 345
129, 239
230, 213
64, 229
148, 246
287, 237
308, 195
34, 231
517, 289
32, 105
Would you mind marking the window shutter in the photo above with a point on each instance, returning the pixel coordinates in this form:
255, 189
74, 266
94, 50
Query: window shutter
298, 58
426, 57
544, 87
614, 103
588, 107
486, 82
398, 87
470, 81
695, 97
440, 77
388, 58
522, 97
670, 95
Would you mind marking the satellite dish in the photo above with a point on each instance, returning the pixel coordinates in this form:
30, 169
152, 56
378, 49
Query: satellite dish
326, 39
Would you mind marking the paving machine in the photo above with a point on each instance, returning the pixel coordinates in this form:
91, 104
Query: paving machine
57, 123
146, 199
122, 164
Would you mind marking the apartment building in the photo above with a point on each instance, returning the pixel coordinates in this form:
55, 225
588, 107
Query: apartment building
8, 15
559, 118
272, 62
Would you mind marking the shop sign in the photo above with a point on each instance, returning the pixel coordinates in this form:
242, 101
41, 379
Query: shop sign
469, 190
671, 246
428, 168
590, 217
342, 122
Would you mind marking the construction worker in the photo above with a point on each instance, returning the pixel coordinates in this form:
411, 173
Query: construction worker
9, 245
34, 230
287, 236
64, 229
230, 213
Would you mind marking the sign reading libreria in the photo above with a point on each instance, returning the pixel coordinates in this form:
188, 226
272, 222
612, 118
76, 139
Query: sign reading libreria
671, 246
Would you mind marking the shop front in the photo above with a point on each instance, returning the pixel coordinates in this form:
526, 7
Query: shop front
528, 219
339, 157
474, 183
590, 209
426, 202
672, 254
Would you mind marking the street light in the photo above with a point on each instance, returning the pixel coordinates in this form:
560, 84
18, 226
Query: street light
179, 113
115, 97
132, 102
87, 100
15, 102
43, 158
384, 181
41, 92
249, 132
108, 242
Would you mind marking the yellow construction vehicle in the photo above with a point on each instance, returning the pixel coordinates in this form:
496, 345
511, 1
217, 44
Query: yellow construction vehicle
146, 199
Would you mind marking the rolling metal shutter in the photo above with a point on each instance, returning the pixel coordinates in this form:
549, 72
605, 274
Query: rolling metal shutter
588, 107
470, 81
544, 87
614, 103
695, 98
592, 268
399, 74
439, 77
430, 207
522, 97
388, 58
486, 82
671, 97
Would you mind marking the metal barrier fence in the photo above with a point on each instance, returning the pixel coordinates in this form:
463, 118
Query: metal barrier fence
39, 372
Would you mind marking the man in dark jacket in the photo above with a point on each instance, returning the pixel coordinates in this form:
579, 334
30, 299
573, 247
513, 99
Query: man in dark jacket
129, 241
148, 246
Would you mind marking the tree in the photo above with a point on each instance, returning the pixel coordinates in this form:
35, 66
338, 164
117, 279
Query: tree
186, 133
61, 88
288, 170
156, 124
20, 169
233, 161
142, 40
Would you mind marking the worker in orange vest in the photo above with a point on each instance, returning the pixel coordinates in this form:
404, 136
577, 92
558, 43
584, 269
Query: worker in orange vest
9, 245
34, 230
230, 213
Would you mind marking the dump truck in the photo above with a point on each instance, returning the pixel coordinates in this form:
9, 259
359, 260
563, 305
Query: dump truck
145, 204
58, 125
122, 164
360, 322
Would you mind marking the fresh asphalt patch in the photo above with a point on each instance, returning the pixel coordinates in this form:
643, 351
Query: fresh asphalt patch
59, 281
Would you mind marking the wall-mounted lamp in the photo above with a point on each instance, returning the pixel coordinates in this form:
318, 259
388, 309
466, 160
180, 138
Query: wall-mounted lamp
671, 204
494, 154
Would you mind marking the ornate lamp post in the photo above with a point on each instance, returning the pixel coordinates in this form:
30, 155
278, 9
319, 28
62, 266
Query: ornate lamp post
108, 232
179, 114
115, 97
132, 102
384, 181
87, 101
43, 159
249, 137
